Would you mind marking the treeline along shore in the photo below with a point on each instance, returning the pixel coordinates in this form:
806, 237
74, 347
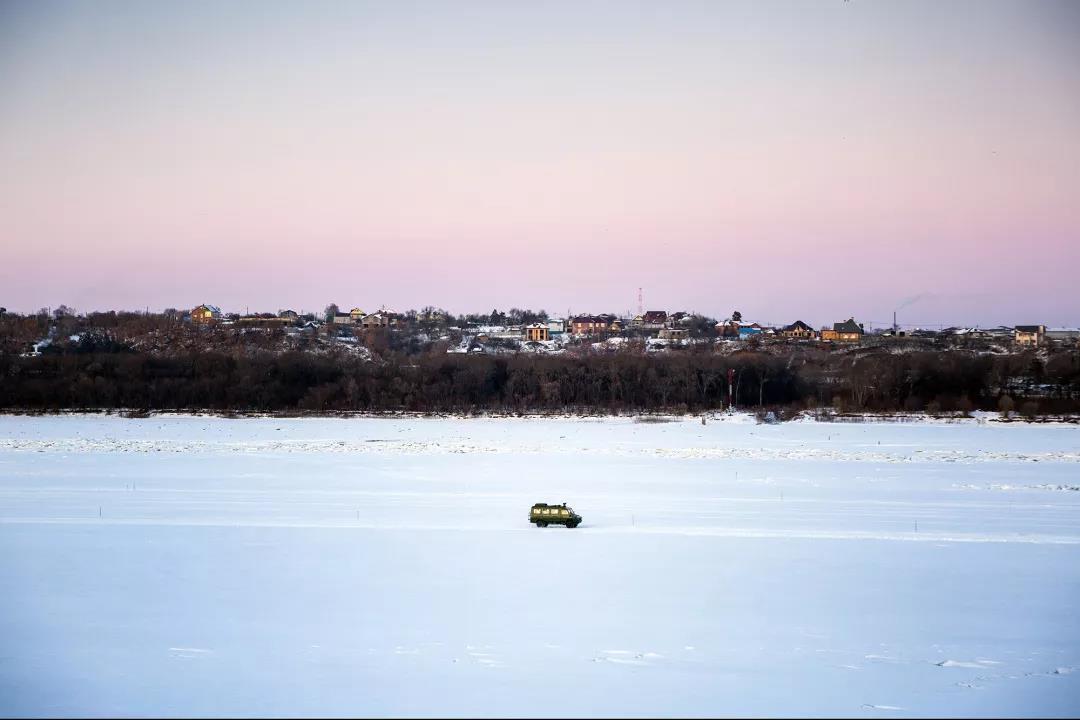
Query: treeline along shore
251, 380
433, 363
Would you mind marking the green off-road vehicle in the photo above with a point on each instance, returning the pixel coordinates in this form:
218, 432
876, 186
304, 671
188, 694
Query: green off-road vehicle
543, 515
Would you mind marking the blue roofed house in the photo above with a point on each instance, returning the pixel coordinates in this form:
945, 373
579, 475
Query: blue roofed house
747, 330
737, 329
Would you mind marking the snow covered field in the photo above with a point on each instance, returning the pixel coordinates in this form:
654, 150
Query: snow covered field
203, 566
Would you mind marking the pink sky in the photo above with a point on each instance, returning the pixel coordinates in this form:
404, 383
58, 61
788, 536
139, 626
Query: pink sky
809, 160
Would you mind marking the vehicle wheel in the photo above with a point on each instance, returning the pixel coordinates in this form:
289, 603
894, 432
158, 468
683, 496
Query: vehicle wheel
539, 524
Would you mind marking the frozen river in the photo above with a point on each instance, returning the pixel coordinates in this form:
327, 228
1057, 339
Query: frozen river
206, 566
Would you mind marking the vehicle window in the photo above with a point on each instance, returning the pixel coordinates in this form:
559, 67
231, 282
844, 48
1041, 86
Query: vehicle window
546, 511
564, 513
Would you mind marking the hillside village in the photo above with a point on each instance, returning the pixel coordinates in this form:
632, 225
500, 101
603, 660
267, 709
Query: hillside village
659, 329
519, 359
649, 331
515, 331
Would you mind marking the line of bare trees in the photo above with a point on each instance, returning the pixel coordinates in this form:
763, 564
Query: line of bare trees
114, 376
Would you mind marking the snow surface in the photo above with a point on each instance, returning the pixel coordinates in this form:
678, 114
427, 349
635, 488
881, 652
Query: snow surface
191, 565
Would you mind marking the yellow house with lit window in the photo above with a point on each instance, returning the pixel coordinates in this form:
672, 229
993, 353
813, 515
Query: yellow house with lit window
205, 314
1030, 335
537, 332
848, 331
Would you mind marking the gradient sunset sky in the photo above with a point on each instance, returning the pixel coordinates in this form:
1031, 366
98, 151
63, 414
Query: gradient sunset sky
810, 159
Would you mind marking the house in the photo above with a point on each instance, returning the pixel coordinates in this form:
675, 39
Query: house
537, 332
592, 324
747, 330
672, 333
353, 317
737, 329
845, 332
650, 320
206, 314
1030, 335
798, 330
289, 315
485, 333
654, 319
498, 332
344, 319
556, 326
381, 319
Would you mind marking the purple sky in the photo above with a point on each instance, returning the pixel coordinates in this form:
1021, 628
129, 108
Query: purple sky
810, 160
